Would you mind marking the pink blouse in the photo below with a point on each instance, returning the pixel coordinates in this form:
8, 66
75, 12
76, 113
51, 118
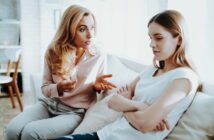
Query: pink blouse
91, 65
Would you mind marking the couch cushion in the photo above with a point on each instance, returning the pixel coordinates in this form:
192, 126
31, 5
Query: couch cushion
121, 74
100, 115
208, 88
198, 122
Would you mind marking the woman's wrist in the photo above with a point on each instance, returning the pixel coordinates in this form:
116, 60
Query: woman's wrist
95, 89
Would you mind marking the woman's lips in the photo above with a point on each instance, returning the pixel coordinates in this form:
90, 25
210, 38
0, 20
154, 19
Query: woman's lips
88, 42
155, 52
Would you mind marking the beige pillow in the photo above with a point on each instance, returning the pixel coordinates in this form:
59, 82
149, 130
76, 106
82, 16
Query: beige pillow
208, 88
100, 115
198, 122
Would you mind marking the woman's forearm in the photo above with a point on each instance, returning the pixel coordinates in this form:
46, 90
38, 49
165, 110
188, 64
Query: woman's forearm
122, 104
131, 118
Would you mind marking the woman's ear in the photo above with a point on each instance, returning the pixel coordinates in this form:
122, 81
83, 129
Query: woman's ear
179, 40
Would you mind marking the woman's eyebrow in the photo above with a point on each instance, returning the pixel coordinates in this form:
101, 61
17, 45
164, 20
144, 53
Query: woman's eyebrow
82, 25
157, 34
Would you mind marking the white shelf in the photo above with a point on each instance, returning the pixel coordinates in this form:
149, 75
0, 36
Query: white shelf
10, 37
9, 21
10, 46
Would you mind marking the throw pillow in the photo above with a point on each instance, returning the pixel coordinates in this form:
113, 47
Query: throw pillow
198, 122
208, 88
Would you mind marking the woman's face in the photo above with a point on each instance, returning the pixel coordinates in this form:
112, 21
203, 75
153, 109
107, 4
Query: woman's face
85, 32
163, 44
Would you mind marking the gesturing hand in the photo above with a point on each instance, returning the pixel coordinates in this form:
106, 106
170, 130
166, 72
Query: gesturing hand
125, 92
65, 85
102, 84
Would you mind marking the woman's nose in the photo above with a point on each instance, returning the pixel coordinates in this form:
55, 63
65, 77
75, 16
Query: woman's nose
152, 44
89, 34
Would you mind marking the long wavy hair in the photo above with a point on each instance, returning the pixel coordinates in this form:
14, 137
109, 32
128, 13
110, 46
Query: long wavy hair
174, 22
61, 50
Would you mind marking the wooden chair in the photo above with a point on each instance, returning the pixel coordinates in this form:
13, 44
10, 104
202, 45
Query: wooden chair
11, 82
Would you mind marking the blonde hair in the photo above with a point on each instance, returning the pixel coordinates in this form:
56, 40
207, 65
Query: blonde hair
61, 49
174, 22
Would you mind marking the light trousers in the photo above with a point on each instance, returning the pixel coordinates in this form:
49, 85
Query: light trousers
48, 119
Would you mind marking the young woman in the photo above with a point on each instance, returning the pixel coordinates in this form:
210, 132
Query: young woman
73, 72
161, 92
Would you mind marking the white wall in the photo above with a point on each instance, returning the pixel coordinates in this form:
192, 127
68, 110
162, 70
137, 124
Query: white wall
209, 43
30, 33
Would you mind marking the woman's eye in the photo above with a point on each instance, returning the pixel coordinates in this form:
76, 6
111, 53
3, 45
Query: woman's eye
158, 38
82, 29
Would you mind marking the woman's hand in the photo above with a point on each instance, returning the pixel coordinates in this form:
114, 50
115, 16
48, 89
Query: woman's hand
162, 126
102, 84
125, 92
65, 85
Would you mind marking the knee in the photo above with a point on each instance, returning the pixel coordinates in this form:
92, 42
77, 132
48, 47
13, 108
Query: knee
12, 132
31, 132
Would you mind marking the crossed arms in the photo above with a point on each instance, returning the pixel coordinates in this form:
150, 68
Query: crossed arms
146, 117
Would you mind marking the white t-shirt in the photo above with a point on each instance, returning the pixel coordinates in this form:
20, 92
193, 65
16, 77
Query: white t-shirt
148, 89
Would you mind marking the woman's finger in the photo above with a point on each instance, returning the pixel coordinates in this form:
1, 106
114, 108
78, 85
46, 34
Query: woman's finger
111, 84
102, 87
162, 126
166, 124
158, 127
125, 89
120, 90
129, 88
105, 76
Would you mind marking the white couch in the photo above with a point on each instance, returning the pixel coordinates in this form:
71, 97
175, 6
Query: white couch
196, 124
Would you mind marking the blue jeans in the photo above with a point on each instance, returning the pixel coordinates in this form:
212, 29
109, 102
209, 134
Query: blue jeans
86, 136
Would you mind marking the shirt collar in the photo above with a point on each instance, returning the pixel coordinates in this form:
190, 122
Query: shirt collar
91, 50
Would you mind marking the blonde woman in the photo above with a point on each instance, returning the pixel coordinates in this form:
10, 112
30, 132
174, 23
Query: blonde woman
161, 93
73, 72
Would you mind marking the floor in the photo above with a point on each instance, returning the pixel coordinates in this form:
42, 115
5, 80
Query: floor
6, 114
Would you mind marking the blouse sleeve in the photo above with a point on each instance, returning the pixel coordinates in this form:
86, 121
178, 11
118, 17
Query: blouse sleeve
49, 88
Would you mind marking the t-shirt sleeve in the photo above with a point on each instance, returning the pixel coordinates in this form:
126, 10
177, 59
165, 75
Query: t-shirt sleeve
188, 74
